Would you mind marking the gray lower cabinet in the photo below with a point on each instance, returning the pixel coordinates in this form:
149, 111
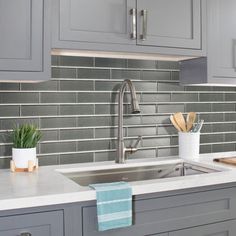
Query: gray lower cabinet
149, 26
24, 40
170, 213
37, 224
219, 67
198, 212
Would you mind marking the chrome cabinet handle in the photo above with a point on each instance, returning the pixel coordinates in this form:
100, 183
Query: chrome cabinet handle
25, 234
143, 36
133, 34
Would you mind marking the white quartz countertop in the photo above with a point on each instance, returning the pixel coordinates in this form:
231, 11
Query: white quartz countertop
48, 186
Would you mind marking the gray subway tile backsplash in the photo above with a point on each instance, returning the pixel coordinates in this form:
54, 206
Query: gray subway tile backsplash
76, 85
67, 134
168, 65
60, 147
64, 73
34, 110
6, 111
19, 97
155, 75
90, 73
10, 86
49, 86
50, 135
211, 97
93, 97
76, 110
9, 123
48, 160
57, 122
81, 109
58, 97
73, 61
109, 62
155, 97
164, 152
123, 74
76, 158
147, 64
183, 97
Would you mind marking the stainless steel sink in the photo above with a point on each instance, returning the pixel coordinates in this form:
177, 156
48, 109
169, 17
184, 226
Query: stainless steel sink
130, 174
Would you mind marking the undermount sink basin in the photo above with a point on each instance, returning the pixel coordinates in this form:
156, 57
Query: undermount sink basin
130, 174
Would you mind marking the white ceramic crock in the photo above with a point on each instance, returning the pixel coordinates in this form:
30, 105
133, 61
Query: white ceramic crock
21, 156
189, 144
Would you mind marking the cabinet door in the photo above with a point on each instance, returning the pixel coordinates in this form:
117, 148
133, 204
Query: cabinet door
38, 224
103, 21
169, 23
226, 228
221, 38
24, 40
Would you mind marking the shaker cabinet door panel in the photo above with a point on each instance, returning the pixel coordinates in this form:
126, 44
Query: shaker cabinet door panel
21, 35
168, 23
222, 38
36, 224
226, 228
103, 21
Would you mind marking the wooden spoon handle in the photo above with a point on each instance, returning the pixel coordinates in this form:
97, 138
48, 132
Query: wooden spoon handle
175, 124
179, 118
191, 117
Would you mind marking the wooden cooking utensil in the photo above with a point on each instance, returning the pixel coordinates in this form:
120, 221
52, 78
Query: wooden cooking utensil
226, 160
179, 119
191, 117
175, 124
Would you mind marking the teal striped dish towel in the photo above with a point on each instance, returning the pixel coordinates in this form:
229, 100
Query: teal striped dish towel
114, 205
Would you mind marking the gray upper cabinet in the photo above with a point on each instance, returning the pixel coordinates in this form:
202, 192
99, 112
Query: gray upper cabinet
24, 40
167, 27
103, 21
222, 38
219, 67
168, 23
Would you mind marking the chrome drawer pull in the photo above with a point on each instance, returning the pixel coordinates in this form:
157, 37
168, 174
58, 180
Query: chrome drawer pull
133, 34
26, 234
143, 36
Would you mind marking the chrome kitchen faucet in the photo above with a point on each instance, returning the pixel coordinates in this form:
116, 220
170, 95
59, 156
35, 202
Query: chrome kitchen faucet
121, 149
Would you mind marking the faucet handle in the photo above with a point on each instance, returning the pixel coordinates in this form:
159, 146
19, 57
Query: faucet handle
134, 149
137, 141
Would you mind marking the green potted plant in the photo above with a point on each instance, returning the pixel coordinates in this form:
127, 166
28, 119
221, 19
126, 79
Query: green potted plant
25, 138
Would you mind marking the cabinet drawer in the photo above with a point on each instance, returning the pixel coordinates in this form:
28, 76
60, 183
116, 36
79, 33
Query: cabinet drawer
164, 214
226, 228
37, 224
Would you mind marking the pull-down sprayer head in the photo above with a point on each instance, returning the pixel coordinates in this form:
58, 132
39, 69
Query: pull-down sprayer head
134, 101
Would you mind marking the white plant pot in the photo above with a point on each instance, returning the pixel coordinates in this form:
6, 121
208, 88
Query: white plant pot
21, 156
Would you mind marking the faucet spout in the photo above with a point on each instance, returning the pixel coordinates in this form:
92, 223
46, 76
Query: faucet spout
121, 149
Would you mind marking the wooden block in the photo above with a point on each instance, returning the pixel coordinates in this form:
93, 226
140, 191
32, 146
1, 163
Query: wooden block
30, 166
12, 166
